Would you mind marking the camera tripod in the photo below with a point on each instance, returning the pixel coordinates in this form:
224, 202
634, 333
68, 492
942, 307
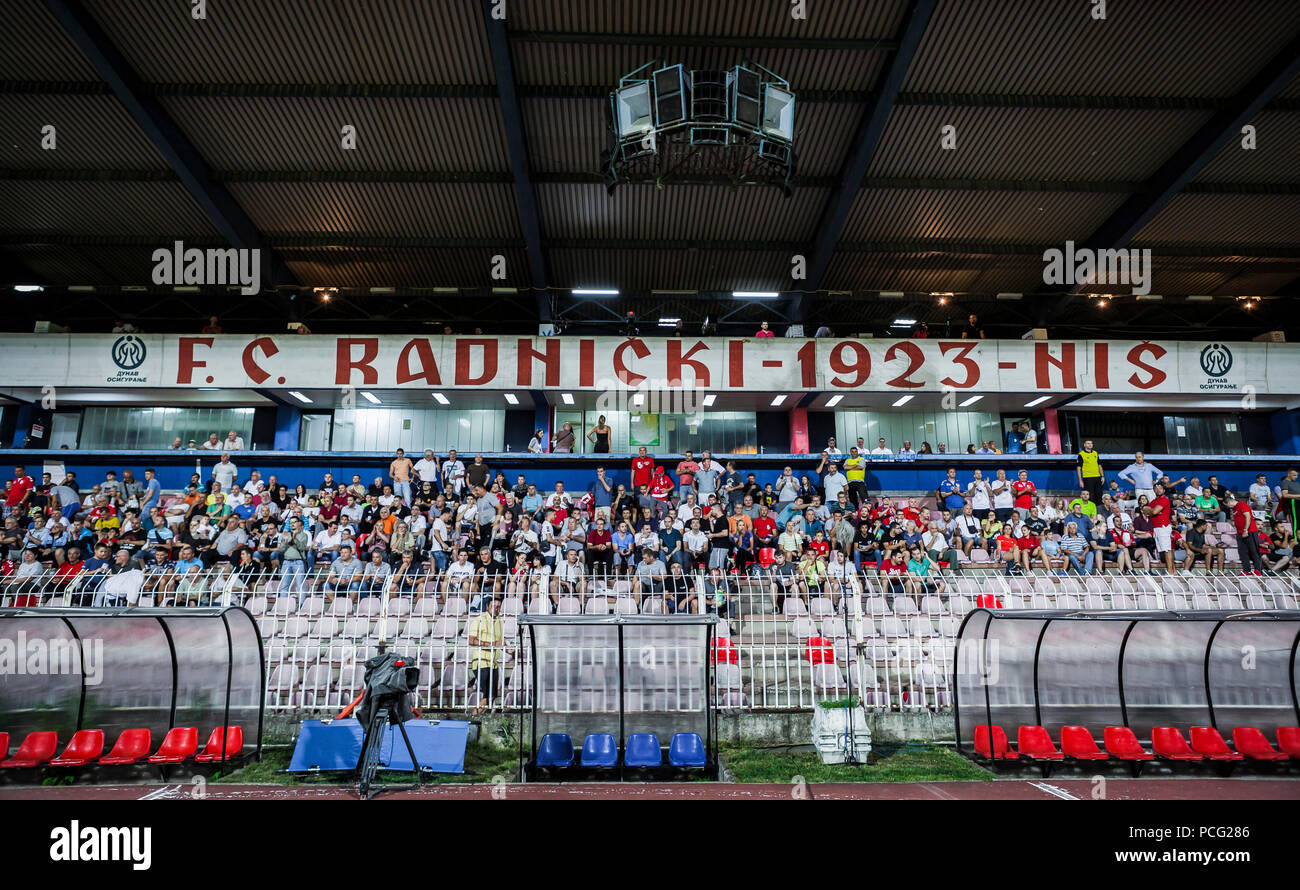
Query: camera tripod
369, 763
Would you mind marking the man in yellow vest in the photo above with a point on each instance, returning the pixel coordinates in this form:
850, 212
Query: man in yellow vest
855, 470
1092, 477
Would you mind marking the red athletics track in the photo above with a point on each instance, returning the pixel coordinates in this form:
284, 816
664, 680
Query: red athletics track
1031, 789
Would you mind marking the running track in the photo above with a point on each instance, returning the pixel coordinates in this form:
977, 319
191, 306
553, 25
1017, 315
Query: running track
1042, 789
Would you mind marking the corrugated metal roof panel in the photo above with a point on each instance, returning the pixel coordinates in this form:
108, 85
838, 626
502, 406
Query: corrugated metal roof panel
1155, 48
434, 210
674, 270
101, 208
90, 131
1036, 217
1099, 144
824, 18
583, 64
301, 41
34, 46
402, 267
304, 134
1275, 158
682, 212
925, 273
1235, 219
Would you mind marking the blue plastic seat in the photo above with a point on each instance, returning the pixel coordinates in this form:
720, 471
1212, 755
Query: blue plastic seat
686, 749
556, 749
599, 749
643, 750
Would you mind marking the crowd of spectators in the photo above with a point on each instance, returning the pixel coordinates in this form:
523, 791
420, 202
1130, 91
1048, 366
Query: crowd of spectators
448, 525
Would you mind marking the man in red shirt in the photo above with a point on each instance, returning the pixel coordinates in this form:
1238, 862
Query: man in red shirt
661, 486
642, 469
1247, 535
20, 491
1024, 491
686, 470
1159, 511
764, 528
894, 570
70, 569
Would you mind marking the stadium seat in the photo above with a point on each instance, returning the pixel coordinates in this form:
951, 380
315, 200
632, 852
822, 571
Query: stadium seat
1168, 743
1206, 740
1254, 744
212, 750
131, 746
643, 750
686, 749
1122, 743
1001, 749
86, 745
1077, 743
1288, 739
1034, 742
177, 746
556, 749
599, 749
36, 749
4, 745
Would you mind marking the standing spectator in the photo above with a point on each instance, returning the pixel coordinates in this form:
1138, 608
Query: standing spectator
453, 473
599, 436
764, 331
537, 444
400, 472
1003, 496
213, 326
1247, 535
686, 470
643, 466
563, 441
706, 478
1160, 511
1028, 438
1089, 471
426, 468
1023, 491
949, 493
20, 493
1289, 497
1142, 476
225, 472
971, 330
855, 471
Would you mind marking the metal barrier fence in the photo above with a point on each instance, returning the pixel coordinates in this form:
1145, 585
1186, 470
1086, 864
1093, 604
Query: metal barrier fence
783, 642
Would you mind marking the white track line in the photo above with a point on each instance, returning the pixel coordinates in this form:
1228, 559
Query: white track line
160, 793
1052, 789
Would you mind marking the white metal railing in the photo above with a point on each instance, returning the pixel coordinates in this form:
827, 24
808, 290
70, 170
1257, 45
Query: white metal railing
781, 645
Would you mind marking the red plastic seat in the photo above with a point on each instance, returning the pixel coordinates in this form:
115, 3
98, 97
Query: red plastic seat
1001, 749
132, 746
1169, 744
1254, 744
1077, 743
1207, 741
4, 745
178, 745
36, 749
1034, 743
1122, 743
85, 746
1288, 739
212, 750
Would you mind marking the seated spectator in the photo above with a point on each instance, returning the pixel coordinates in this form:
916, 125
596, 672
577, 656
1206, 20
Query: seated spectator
1197, 548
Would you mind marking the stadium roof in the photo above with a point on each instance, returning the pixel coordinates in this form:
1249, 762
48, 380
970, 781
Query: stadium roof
478, 138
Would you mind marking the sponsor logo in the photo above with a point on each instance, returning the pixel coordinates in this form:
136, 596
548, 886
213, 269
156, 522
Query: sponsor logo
1216, 359
128, 352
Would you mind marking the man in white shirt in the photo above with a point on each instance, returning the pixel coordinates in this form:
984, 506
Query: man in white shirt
833, 481
1261, 496
225, 472
213, 443
906, 449
568, 576
559, 498
453, 472
832, 449
234, 442
880, 448
1004, 498
459, 576
440, 539
426, 468
979, 495
328, 542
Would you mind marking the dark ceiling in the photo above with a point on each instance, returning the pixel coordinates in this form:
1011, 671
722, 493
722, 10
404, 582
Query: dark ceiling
479, 138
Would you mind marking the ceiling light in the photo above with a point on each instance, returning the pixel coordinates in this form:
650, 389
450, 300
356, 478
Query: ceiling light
299, 396
668, 322
1010, 296
903, 322
1037, 401
755, 294
891, 295
567, 397
512, 399
777, 401
710, 399
1199, 298
903, 401
971, 401
27, 288
594, 292
440, 398
834, 400
369, 397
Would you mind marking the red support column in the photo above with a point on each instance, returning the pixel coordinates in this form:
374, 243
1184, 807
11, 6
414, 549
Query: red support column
1053, 431
798, 430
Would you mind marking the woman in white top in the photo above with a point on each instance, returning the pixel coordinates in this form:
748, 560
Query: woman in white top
535, 444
